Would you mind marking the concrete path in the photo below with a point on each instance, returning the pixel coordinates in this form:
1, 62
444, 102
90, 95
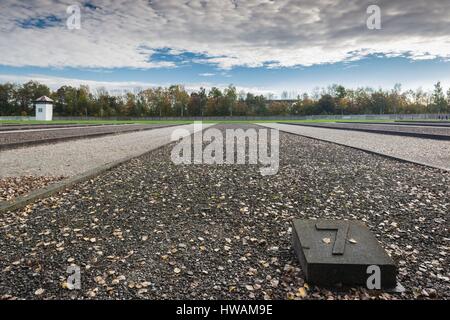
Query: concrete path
74, 157
433, 153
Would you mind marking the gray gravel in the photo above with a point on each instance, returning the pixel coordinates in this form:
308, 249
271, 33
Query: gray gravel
19, 127
434, 153
13, 187
153, 230
74, 128
425, 123
406, 123
73, 157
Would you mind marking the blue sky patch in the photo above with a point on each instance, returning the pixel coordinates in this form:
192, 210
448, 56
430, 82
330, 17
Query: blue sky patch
40, 22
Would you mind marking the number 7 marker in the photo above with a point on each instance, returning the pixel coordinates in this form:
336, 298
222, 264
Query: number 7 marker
341, 235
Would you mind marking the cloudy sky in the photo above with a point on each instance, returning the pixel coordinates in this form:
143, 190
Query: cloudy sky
257, 45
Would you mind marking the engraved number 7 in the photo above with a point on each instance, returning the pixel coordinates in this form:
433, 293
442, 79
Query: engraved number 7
341, 228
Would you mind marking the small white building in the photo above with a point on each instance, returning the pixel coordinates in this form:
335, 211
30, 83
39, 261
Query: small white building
44, 108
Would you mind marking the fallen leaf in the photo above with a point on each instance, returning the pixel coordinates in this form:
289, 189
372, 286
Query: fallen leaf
39, 291
326, 240
302, 292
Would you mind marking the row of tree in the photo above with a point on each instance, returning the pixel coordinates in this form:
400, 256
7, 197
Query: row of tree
16, 99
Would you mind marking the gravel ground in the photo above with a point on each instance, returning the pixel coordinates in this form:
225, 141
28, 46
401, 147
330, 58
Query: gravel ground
420, 124
15, 127
426, 123
434, 153
15, 186
41, 135
438, 131
153, 230
73, 157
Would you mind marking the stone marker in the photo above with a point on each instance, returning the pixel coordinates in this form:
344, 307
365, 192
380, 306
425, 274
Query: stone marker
333, 252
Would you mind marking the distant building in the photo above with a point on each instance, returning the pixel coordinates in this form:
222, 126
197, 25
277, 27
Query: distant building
44, 108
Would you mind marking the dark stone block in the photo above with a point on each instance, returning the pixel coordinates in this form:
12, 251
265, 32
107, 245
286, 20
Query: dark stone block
344, 260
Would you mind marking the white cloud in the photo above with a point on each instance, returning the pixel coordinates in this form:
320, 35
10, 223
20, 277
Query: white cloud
120, 87
56, 82
253, 33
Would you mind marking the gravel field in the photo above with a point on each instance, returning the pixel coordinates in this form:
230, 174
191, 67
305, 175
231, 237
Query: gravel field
421, 124
425, 123
12, 187
73, 157
43, 135
434, 153
150, 229
14, 127
413, 129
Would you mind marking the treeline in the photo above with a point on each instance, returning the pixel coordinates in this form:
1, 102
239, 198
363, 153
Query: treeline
17, 100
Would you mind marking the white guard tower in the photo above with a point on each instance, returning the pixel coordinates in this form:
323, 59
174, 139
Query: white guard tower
44, 108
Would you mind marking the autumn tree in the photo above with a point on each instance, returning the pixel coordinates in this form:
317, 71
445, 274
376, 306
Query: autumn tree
326, 104
438, 99
17, 99
278, 108
25, 94
8, 105
228, 101
179, 100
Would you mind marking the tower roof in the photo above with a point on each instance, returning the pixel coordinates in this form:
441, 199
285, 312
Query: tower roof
43, 99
